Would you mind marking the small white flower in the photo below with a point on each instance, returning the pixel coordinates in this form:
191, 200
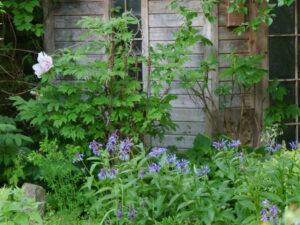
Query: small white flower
44, 64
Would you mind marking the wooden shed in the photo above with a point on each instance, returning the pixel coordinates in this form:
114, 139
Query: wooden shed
158, 24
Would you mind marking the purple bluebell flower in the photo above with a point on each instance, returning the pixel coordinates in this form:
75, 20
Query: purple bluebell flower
107, 221
95, 146
153, 167
183, 165
132, 213
265, 203
102, 175
142, 174
223, 207
111, 174
155, 152
294, 145
143, 204
240, 155
269, 213
171, 158
273, 147
78, 158
119, 213
125, 145
112, 143
235, 143
203, 171
218, 145
124, 155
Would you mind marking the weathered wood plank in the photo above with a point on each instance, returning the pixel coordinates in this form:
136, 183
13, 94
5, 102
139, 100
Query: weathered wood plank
227, 34
186, 101
79, 8
72, 1
239, 46
197, 48
188, 128
236, 101
176, 89
69, 21
160, 6
179, 141
187, 115
171, 20
73, 35
223, 61
60, 45
49, 38
165, 34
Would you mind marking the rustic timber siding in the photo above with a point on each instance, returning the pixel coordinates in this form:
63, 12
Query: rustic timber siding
158, 25
187, 111
61, 20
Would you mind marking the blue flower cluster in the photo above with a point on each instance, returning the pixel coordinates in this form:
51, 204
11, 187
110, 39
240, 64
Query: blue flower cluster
78, 157
110, 173
203, 171
113, 144
226, 143
156, 152
273, 147
132, 212
269, 213
294, 145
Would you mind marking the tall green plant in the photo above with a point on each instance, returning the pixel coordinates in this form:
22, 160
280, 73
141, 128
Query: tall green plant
12, 150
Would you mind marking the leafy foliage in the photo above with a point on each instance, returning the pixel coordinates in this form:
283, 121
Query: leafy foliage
157, 188
15, 208
279, 110
24, 15
12, 150
61, 177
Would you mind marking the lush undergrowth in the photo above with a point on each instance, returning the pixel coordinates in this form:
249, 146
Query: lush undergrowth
119, 183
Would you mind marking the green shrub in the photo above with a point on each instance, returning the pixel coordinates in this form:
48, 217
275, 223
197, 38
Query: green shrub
12, 150
15, 208
61, 178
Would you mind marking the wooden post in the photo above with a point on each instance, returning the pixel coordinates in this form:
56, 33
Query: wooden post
49, 40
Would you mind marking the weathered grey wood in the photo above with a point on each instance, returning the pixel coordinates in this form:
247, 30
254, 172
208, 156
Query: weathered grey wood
60, 45
187, 102
239, 46
165, 34
188, 128
69, 21
79, 8
236, 101
171, 20
197, 48
192, 115
49, 36
73, 1
227, 34
145, 43
156, 7
179, 141
66, 35
223, 61
176, 89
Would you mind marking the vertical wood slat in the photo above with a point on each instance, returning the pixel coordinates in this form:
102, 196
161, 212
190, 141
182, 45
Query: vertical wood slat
49, 35
212, 33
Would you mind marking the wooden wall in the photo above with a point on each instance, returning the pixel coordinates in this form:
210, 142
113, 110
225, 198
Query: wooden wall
158, 25
187, 111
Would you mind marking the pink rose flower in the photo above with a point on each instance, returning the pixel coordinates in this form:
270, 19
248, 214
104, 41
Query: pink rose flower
44, 64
